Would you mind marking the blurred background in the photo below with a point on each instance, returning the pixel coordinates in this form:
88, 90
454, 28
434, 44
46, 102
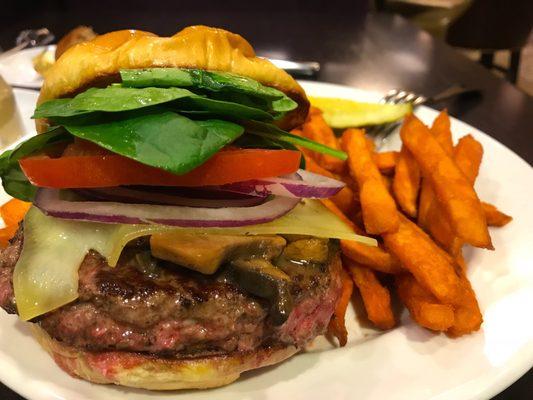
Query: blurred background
495, 33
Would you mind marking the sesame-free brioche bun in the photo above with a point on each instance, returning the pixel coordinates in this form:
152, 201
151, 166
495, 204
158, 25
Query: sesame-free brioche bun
98, 62
153, 373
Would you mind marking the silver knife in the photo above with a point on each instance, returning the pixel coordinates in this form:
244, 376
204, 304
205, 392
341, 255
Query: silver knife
308, 68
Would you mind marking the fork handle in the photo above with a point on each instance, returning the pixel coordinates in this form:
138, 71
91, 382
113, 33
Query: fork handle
452, 91
14, 50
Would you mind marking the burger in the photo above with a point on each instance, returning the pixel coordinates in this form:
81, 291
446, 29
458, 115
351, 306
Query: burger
174, 238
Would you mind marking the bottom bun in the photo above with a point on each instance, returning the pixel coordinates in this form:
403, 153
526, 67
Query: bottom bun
153, 373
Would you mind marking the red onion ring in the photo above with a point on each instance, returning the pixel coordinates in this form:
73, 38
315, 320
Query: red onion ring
302, 184
50, 202
138, 196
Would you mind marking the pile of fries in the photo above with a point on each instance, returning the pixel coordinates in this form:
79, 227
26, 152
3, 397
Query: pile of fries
421, 205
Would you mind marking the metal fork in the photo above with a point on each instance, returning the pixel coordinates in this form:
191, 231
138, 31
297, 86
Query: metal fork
396, 96
297, 68
30, 38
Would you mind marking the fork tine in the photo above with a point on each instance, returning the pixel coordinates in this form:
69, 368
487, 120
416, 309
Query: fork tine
396, 96
400, 98
390, 96
419, 100
392, 93
381, 137
380, 132
411, 97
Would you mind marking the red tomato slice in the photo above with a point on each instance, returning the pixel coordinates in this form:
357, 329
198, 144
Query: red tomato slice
108, 170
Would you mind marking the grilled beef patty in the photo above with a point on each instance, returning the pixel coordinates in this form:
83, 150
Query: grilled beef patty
169, 310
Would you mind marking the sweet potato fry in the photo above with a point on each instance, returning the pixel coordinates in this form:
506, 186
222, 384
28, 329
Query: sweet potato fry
373, 257
312, 166
356, 215
459, 258
336, 210
347, 178
369, 144
376, 297
454, 192
6, 234
406, 182
318, 130
12, 213
439, 228
345, 198
425, 202
441, 130
468, 316
387, 182
297, 131
386, 161
494, 216
337, 325
314, 111
308, 131
379, 210
430, 265
467, 156
456, 249
422, 305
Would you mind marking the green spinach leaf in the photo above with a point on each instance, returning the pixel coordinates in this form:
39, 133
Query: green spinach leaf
163, 140
260, 142
273, 132
226, 86
17, 185
14, 181
209, 80
220, 108
110, 99
53, 136
88, 107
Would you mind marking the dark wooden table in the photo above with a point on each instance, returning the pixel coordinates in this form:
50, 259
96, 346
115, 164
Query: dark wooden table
374, 52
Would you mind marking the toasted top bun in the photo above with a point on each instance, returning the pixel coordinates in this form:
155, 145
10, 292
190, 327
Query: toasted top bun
98, 62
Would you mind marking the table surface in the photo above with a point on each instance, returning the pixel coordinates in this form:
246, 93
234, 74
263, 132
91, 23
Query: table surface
364, 50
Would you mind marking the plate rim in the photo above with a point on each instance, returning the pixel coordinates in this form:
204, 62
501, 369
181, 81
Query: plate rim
27, 52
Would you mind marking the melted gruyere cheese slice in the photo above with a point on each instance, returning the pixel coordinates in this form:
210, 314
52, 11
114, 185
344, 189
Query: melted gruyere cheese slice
46, 274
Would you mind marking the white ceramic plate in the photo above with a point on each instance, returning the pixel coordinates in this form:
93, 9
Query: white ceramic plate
405, 363
17, 69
